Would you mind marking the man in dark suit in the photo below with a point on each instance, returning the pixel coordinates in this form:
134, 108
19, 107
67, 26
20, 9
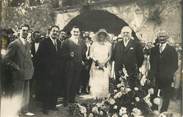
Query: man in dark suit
35, 89
85, 72
0, 70
164, 63
73, 50
36, 38
18, 58
48, 62
128, 54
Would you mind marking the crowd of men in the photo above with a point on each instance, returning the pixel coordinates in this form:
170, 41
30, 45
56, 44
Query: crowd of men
57, 65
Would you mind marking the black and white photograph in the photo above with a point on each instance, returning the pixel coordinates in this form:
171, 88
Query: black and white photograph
91, 58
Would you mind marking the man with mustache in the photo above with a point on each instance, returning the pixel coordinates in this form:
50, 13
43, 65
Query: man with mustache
18, 58
128, 54
48, 57
164, 63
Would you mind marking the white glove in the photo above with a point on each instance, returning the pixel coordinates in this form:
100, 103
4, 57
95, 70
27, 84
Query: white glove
143, 81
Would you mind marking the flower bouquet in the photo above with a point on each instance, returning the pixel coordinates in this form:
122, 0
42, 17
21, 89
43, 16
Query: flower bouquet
123, 101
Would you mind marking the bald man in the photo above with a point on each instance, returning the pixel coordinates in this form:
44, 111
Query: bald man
164, 63
128, 54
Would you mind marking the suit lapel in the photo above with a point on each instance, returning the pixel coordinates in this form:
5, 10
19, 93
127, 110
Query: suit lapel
58, 44
22, 46
24, 49
51, 44
128, 45
33, 49
165, 50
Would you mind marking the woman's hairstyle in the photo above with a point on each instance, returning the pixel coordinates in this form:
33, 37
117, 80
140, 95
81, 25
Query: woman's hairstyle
102, 32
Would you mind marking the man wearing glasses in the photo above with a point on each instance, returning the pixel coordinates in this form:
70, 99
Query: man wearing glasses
18, 58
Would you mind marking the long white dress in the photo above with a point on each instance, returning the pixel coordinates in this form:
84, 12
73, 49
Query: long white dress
99, 79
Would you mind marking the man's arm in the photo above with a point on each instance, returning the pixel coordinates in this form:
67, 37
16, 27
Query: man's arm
66, 54
174, 60
139, 55
153, 66
11, 53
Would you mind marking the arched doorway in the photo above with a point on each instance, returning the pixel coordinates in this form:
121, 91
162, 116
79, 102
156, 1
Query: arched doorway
93, 20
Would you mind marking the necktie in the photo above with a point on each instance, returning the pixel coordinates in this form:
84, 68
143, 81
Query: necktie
55, 44
88, 51
125, 42
160, 48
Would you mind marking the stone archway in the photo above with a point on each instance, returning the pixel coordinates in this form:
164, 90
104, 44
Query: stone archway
136, 17
93, 20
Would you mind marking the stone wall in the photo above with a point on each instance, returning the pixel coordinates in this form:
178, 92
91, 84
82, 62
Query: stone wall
146, 20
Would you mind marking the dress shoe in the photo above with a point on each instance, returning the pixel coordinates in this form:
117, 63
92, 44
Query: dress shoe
65, 104
79, 93
73, 101
45, 111
84, 92
54, 109
29, 114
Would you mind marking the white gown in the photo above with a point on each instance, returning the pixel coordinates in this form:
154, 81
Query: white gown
99, 79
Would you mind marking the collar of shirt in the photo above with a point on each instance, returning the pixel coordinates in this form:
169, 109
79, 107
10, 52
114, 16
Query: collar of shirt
53, 40
126, 42
36, 46
23, 41
162, 46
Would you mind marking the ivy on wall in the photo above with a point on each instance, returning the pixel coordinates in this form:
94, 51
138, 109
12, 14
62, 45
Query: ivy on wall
40, 17
156, 7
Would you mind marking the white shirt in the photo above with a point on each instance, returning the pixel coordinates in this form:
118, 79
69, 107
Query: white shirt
88, 50
54, 41
23, 41
162, 47
126, 42
36, 46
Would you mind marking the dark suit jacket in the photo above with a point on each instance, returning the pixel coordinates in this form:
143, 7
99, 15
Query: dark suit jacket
35, 55
19, 59
130, 56
48, 58
164, 65
73, 64
79, 53
1, 76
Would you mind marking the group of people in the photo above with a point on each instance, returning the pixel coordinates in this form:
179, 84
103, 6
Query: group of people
52, 68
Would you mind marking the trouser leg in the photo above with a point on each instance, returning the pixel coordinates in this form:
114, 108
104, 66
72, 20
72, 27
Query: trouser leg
166, 93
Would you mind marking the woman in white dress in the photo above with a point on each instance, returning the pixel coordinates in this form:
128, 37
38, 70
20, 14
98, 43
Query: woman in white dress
100, 53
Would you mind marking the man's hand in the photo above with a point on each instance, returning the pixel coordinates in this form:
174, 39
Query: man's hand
13, 66
100, 65
72, 54
143, 81
83, 63
151, 91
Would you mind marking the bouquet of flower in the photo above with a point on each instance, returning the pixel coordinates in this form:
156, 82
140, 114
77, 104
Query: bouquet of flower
99, 65
123, 101
89, 110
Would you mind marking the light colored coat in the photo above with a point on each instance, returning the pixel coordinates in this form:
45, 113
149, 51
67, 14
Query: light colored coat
19, 58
